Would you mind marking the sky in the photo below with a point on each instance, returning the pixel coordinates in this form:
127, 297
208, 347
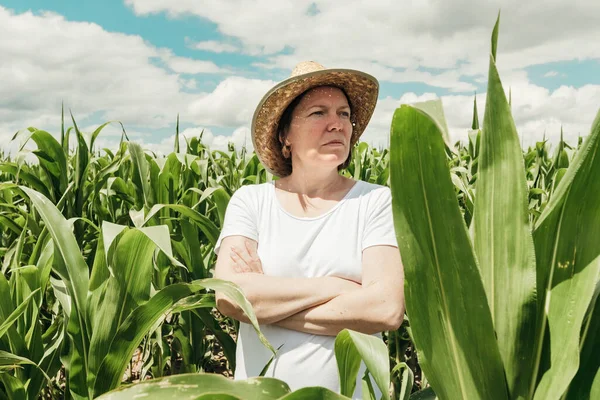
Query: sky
143, 62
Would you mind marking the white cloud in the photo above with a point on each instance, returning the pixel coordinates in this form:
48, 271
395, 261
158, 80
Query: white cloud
536, 111
240, 137
185, 65
47, 59
140, 85
399, 37
211, 45
550, 74
231, 104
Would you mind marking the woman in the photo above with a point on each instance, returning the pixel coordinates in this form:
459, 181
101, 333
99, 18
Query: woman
314, 252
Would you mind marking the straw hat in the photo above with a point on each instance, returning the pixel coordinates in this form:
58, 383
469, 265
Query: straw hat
362, 90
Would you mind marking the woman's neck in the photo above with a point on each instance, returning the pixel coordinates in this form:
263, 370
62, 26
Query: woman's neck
313, 183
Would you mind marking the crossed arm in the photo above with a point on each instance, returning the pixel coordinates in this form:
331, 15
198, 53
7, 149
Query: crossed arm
324, 305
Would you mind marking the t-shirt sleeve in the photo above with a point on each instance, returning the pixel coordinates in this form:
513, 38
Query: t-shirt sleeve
240, 217
379, 227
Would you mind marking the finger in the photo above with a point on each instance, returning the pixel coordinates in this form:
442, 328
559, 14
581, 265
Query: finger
239, 262
234, 258
255, 260
237, 269
251, 250
243, 254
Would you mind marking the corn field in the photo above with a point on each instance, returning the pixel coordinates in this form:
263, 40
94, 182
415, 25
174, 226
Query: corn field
107, 260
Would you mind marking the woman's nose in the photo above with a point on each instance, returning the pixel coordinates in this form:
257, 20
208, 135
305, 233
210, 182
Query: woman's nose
335, 122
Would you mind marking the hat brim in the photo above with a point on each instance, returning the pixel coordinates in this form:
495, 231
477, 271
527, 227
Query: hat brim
362, 90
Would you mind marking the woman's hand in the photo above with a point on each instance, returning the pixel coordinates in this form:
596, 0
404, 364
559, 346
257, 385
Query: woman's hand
246, 259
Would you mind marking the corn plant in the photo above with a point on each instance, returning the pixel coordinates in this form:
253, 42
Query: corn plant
505, 308
77, 225
107, 314
82, 283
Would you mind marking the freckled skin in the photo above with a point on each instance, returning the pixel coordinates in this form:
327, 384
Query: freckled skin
322, 115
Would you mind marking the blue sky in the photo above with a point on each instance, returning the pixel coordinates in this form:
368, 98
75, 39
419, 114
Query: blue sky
144, 61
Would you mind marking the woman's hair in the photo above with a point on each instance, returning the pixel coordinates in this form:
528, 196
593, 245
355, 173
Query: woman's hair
285, 121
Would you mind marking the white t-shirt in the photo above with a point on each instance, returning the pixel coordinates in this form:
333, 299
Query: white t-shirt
288, 246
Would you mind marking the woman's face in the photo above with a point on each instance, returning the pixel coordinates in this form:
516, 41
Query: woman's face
321, 129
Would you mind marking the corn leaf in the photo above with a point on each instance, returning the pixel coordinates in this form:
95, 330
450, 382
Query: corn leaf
204, 223
566, 240
11, 360
13, 386
8, 322
425, 394
435, 110
141, 176
352, 347
224, 338
313, 393
174, 387
192, 250
220, 197
407, 379
589, 366
502, 237
26, 177
73, 271
461, 360
146, 318
127, 289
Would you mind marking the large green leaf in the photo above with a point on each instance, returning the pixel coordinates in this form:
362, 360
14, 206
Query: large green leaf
16, 342
221, 199
350, 348
127, 289
73, 271
98, 130
224, 338
193, 385
142, 320
50, 364
146, 318
589, 366
313, 393
51, 157
9, 360
204, 223
435, 110
502, 237
443, 286
192, 250
25, 176
218, 396
8, 223
159, 235
13, 386
595, 391
7, 323
141, 176
425, 394
407, 380
568, 253
81, 158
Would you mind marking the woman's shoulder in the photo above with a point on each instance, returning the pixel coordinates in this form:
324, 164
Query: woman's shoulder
364, 188
253, 191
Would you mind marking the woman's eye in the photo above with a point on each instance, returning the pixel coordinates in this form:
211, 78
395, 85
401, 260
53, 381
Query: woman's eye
345, 114
317, 113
